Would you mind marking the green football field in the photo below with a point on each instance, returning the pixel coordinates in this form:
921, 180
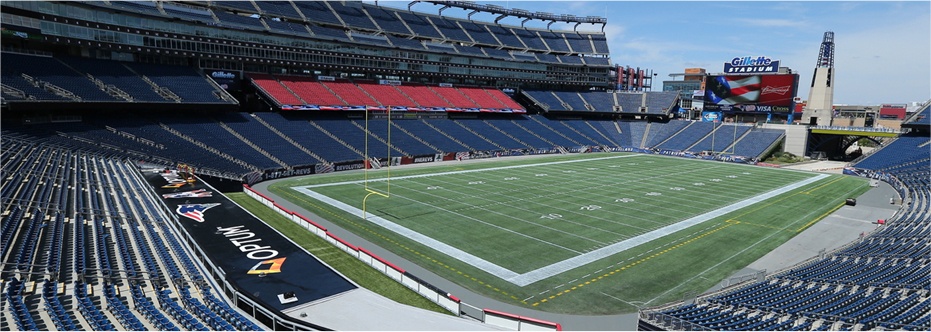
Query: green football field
584, 234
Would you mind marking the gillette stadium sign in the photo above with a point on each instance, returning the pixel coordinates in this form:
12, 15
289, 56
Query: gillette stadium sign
751, 65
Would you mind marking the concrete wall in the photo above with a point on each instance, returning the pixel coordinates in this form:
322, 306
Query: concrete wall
796, 137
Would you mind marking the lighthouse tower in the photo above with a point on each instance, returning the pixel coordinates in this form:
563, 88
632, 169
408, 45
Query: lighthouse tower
819, 109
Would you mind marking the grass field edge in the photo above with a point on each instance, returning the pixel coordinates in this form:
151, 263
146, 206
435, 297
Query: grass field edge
360, 273
474, 280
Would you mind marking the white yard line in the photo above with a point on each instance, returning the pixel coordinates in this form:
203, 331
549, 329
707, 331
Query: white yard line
555, 268
415, 236
468, 171
571, 263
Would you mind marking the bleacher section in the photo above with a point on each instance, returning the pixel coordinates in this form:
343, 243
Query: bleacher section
43, 78
115, 77
196, 14
332, 20
424, 97
295, 92
92, 224
878, 283
299, 129
420, 25
907, 150
647, 102
687, 137
661, 102
278, 9
185, 82
53, 76
233, 20
922, 117
233, 144
285, 27
721, 139
757, 142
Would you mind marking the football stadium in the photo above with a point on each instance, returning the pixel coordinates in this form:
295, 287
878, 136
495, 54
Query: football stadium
344, 165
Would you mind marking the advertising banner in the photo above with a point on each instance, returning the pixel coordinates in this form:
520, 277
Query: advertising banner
425, 159
751, 65
711, 116
753, 93
287, 172
349, 165
227, 79
258, 261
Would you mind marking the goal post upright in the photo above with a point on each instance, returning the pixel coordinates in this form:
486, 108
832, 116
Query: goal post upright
368, 161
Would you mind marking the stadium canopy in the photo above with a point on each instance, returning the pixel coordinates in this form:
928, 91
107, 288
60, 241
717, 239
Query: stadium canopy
515, 12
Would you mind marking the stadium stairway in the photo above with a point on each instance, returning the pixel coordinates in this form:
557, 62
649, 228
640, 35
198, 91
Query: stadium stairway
642, 141
757, 142
336, 138
379, 138
280, 93
535, 134
423, 96
609, 140
209, 148
733, 144
288, 138
251, 144
454, 97
667, 138
418, 138
487, 131
520, 134
447, 135
565, 106
460, 124
545, 124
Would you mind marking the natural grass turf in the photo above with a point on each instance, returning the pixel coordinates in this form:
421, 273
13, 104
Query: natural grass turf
362, 274
687, 262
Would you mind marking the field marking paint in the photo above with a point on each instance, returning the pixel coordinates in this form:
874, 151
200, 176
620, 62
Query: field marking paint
571, 263
454, 252
558, 267
635, 263
391, 240
466, 171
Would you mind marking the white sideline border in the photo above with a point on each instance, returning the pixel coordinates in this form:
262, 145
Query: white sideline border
555, 268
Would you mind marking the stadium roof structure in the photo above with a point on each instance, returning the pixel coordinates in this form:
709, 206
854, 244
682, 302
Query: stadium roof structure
521, 13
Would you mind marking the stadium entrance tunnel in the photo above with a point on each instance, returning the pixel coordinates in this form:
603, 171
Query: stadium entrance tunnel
835, 146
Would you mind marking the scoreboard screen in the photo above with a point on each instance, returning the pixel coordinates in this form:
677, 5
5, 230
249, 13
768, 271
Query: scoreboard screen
751, 93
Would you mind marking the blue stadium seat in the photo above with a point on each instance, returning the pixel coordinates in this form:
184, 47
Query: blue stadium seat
388, 21
352, 14
282, 9
317, 11
286, 27
185, 82
192, 13
51, 70
420, 25
450, 29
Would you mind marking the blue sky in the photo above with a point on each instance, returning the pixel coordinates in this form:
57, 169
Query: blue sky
883, 49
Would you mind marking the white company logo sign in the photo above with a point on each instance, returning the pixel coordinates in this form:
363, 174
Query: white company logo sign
777, 90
